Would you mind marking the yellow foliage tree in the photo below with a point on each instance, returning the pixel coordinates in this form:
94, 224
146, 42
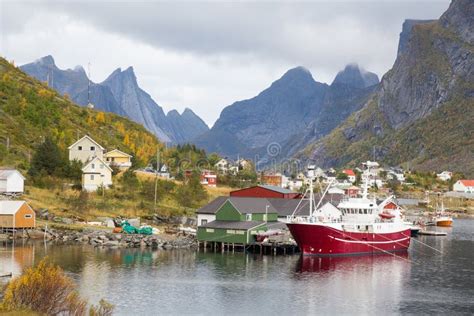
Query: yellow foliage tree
100, 117
45, 93
44, 289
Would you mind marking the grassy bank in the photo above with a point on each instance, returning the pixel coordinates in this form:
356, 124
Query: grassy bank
120, 200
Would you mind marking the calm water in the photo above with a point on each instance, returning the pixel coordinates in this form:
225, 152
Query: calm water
186, 282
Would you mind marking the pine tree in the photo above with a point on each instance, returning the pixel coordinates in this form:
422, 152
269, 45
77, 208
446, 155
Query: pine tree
47, 159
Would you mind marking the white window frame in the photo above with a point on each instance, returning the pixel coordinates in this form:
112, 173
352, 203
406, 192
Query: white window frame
209, 230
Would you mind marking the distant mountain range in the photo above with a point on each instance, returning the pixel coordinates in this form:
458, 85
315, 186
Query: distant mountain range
119, 94
423, 110
294, 111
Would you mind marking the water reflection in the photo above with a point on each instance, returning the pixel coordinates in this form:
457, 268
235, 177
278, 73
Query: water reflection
319, 264
150, 282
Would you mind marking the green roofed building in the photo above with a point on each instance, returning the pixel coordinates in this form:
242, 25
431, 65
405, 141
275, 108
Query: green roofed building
238, 221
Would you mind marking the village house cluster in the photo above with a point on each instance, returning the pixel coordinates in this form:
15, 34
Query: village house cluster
227, 166
97, 163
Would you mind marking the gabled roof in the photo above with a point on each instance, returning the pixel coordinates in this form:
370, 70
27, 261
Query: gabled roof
116, 151
10, 207
277, 189
349, 172
93, 160
467, 183
233, 224
213, 206
246, 205
86, 137
283, 207
5, 173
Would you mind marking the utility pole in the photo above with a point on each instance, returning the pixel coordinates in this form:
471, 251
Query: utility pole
156, 174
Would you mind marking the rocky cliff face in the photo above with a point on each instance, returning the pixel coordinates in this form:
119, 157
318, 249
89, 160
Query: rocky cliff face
292, 112
406, 33
433, 74
119, 94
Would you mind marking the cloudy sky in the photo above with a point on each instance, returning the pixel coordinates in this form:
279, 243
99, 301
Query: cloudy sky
206, 55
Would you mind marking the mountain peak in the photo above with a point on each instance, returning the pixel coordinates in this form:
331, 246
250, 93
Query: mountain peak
46, 60
355, 76
295, 78
297, 72
173, 113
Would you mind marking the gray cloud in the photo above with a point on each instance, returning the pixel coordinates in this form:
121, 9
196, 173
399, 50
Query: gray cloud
263, 38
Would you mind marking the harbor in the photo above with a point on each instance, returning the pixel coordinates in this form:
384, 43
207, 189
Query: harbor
159, 281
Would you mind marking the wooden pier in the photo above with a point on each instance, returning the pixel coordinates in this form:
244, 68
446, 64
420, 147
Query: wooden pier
261, 248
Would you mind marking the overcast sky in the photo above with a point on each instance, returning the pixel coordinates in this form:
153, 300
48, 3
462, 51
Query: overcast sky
206, 55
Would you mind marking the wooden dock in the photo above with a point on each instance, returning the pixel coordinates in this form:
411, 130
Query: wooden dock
431, 233
258, 248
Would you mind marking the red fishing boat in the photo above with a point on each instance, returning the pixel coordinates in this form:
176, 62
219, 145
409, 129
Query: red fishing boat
360, 229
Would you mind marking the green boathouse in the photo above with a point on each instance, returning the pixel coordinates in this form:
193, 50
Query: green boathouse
238, 221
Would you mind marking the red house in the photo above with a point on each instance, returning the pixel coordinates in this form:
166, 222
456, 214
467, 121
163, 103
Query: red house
266, 191
352, 191
207, 177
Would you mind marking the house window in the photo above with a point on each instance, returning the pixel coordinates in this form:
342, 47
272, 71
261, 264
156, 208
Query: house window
28, 216
92, 177
264, 217
203, 222
248, 217
230, 231
79, 148
92, 148
209, 230
101, 166
93, 166
240, 232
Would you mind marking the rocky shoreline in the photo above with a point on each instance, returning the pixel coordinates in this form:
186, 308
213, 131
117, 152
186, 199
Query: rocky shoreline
99, 238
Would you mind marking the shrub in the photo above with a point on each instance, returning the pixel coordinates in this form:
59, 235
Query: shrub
46, 289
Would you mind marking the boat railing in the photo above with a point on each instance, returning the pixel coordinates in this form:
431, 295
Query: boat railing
311, 219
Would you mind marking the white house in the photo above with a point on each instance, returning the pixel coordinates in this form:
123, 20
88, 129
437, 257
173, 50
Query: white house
351, 176
118, 158
85, 149
222, 166
400, 177
328, 212
336, 190
11, 181
465, 186
445, 175
96, 173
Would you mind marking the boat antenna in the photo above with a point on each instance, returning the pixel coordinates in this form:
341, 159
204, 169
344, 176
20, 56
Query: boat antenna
366, 180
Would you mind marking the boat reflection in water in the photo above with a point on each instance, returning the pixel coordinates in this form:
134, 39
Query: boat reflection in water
351, 263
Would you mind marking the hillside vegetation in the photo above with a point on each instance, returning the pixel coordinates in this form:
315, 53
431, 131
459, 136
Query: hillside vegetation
30, 112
